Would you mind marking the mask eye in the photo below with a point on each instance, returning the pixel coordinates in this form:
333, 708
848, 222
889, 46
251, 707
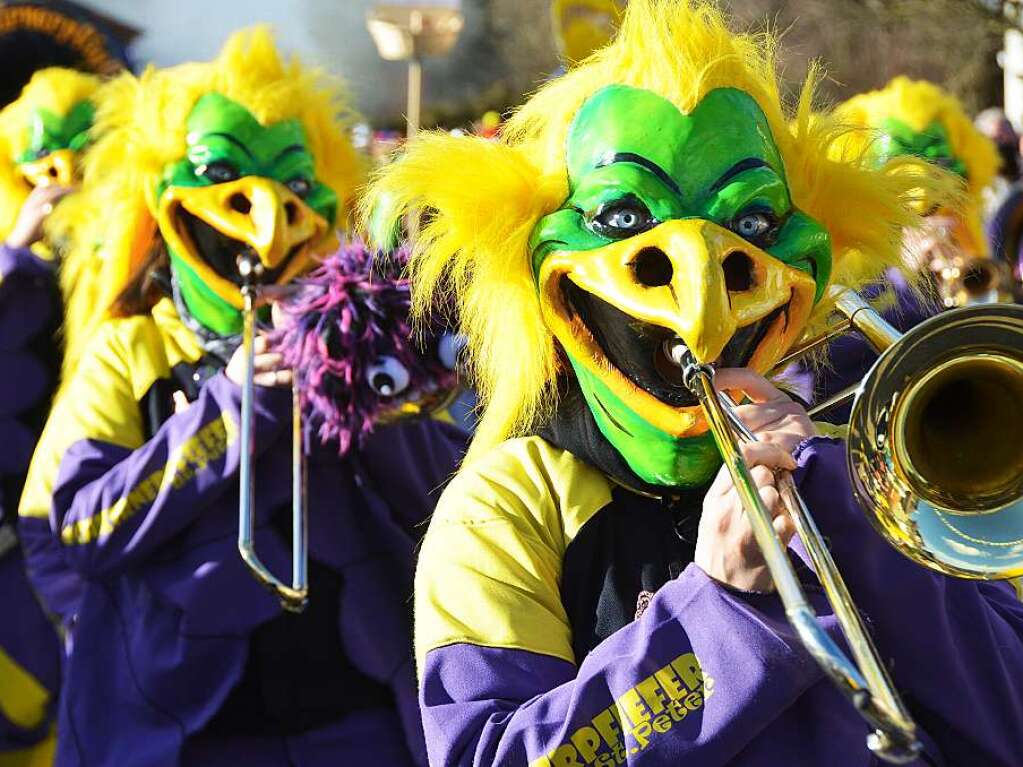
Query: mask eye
448, 348
301, 187
219, 172
758, 227
622, 218
41, 153
387, 377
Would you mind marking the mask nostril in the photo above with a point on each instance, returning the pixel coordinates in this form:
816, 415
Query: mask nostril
652, 268
738, 269
240, 203
53, 172
291, 212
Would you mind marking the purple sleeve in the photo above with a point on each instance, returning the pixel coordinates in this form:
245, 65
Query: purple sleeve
955, 646
27, 287
696, 642
113, 505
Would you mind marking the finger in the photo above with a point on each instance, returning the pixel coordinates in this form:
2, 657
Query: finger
260, 344
767, 454
181, 403
762, 415
275, 378
51, 193
756, 387
784, 528
265, 379
59, 192
772, 500
762, 476
268, 361
277, 318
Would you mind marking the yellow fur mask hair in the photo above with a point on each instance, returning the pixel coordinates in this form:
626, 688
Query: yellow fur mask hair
918, 104
141, 122
54, 89
481, 200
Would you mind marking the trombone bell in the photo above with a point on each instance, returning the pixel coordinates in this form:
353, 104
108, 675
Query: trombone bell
934, 443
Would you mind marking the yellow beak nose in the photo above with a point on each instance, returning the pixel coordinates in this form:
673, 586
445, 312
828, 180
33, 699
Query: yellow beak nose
259, 213
55, 168
694, 277
697, 279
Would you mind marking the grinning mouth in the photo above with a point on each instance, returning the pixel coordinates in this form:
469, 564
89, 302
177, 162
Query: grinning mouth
221, 252
636, 348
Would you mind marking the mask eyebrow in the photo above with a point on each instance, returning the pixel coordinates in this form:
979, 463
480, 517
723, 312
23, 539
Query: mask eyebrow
740, 167
637, 159
232, 140
289, 150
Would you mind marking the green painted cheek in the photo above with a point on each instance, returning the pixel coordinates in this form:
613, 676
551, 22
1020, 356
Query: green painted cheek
655, 457
209, 309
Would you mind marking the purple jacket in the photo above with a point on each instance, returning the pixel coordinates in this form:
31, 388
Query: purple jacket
28, 351
704, 675
139, 555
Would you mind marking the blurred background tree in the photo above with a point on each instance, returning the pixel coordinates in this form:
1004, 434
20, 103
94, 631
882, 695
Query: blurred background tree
864, 43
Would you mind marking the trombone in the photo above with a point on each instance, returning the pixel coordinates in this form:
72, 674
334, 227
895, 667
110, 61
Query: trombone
933, 399
293, 597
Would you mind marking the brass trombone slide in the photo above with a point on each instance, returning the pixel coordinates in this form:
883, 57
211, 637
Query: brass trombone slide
868, 687
293, 597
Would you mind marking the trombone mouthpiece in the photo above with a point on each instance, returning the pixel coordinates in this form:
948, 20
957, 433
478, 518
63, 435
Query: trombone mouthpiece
676, 350
681, 356
249, 265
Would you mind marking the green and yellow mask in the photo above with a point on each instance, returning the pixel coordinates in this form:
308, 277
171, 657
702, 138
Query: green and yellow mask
43, 134
676, 224
242, 187
916, 118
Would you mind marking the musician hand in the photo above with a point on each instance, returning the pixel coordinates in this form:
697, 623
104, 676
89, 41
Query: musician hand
725, 547
772, 415
269, 366
28, 228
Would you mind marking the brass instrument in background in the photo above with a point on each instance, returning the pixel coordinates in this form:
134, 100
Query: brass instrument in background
294, 597
962, 275
968, 280
935, 460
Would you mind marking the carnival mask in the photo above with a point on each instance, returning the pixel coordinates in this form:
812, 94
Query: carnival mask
242, 187
675, 224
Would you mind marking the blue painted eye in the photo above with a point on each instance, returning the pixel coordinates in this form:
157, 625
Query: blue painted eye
301, 187
622, 218
219, 172
754, 226
387, 377
449, 347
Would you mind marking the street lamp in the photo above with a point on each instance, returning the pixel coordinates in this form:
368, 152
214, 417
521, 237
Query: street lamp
410, 33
